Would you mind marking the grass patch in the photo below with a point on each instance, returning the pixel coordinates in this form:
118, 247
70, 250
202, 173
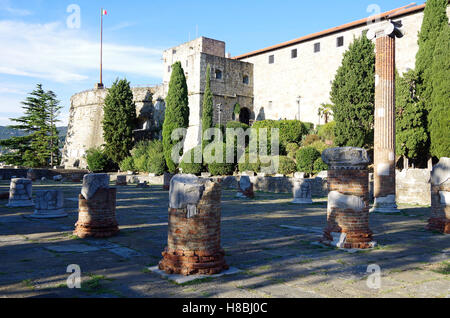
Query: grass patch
94, 286
442, 268
28, 283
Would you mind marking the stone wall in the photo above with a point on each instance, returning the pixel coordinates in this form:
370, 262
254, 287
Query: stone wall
413, 187
7, 174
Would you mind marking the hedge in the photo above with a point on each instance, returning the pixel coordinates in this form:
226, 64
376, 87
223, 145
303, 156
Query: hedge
306, 158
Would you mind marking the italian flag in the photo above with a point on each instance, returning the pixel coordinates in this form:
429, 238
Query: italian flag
104, 12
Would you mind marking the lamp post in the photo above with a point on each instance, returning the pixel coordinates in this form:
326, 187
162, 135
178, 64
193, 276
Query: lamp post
219, 110
298, 106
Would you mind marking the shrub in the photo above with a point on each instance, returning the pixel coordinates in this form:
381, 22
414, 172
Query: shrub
127, 164
319, 165
189, 165
291, 149
286, 165
156, 162
326, 132
97, 160
320, 146
309, 139
305, 159
223, 168
309, 128
246, 165
237, 109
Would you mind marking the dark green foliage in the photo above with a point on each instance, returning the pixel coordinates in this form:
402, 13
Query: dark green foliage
434, 21
319, 165
156, 162
249, 164
147, 156
309, 127
411, 121
319, 145
97, 160
353, 95
192, 161
221, 168
177, 112
39, 144
119, 121
306, 157
236, 124
127, 164
286, 165
439, 117
309, 139
208, 107
291, 149
326, 132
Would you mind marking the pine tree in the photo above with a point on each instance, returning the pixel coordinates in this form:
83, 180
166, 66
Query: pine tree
434, 20
353, 95
119, 121
439, 116
411, 130
39, 145
177, 112
208, 108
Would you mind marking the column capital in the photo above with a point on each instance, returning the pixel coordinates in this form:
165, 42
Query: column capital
388, 28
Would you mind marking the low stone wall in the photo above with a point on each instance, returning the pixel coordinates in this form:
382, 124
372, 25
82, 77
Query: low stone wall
413, 186
8, 173
139, 178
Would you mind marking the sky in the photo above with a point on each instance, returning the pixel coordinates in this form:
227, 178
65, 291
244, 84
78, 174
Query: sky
56, 42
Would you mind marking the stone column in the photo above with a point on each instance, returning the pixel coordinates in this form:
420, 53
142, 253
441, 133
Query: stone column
194, 227
348, 198
97, 208
121, 180
384, 139
245, 189
440, 197
302, 192
167, 178
49, 204
20, 193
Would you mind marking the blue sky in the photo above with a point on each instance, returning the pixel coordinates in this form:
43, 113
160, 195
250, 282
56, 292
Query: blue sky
39, 46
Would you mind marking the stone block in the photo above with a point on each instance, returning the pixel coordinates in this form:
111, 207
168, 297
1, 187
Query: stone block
302, 192
20, 193
49, 204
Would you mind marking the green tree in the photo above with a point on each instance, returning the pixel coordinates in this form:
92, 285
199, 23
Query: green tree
119, 121
439, 117
353, 95
39, 147
411, 131
434, 20
208, 108
177, 112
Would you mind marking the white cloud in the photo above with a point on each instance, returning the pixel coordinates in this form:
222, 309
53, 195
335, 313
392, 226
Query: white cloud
53, 52
6, 6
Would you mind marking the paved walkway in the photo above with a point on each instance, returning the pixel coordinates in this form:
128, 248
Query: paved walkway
269, 239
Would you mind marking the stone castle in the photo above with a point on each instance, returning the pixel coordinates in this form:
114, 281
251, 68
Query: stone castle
285, 81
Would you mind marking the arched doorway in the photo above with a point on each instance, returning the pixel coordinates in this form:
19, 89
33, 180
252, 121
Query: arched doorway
244, 116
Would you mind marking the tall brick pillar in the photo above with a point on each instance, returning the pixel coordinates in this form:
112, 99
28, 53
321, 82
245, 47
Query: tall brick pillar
440, 197
194, 227
96, 208
384, 152
348, 198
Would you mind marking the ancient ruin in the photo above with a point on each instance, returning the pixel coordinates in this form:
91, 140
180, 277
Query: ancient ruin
245, 188
121, 180
97, 208
440, 197
194, 227
49, 204
302, 192
348, 198
20, 193
384, 152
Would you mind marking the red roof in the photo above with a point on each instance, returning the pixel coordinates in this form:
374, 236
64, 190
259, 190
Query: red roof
411, 8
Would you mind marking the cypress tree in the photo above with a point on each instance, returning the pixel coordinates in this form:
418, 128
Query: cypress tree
434, 20
119, 121
439, 117
208, 109
411, 131
353, 95
177, 112
36, 148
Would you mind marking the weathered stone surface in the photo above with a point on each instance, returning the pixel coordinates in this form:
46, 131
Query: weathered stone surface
121, 180
93, 182
194, 238
299, 175
346, 157
441, 172
49, 204
302, 192
167, 178
413, 187
440, 197
57, 178
20, 193
245, 188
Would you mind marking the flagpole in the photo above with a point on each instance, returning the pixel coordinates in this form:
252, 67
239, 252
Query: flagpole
101, 46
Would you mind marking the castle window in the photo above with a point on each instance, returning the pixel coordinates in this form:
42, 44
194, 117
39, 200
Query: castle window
218, 74
271, 59
340, 41
294, 53
317, 47
168, 69
245, 79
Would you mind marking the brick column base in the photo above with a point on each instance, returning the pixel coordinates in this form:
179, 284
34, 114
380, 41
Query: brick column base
97, 216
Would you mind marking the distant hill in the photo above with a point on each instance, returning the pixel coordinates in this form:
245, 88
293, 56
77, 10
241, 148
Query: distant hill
6, 133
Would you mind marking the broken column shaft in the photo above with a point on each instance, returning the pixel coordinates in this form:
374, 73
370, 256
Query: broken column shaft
194, 227
348, 198
440, 197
